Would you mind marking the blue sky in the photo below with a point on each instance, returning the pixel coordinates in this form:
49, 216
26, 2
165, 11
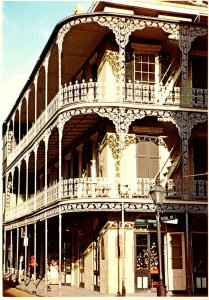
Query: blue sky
26, 28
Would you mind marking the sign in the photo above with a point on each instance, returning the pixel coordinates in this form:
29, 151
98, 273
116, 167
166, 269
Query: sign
169, 219
25, 242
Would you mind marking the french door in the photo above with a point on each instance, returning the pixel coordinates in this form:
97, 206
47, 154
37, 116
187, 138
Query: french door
146, 262
200, 261
176, 268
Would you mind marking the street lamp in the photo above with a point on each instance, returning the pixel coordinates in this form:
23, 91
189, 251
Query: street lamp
157, 194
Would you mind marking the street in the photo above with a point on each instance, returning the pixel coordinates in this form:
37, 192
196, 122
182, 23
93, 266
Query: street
9, 291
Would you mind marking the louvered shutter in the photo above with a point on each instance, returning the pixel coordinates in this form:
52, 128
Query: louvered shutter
147, 159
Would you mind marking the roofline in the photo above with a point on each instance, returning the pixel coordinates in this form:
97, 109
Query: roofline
54, 34
168, 6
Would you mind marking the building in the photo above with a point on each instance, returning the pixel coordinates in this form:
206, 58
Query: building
117, 100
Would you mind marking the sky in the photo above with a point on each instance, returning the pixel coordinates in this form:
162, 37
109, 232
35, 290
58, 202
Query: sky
26, 28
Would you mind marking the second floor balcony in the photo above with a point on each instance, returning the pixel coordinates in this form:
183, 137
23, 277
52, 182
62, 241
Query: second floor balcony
95, 93
101, 189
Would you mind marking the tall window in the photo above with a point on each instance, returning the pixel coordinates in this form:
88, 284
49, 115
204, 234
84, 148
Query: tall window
140, 67
145, 68
148, 68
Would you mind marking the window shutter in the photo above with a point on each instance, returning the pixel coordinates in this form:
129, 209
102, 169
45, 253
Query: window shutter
147, 159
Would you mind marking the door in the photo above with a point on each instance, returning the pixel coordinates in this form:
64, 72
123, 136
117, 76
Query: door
146, 267
176, 272
200, 261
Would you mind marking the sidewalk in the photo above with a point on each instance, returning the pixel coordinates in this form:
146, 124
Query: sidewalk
68, 291
65, 291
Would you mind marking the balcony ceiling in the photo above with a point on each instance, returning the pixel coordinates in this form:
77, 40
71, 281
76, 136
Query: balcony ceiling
150, 33
79, 45
74, 128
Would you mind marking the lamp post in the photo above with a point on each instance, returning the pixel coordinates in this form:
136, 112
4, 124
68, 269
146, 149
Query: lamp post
157, 194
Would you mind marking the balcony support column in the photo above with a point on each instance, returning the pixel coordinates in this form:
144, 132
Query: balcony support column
18, 189
26, 97
60, 250
26, 187
35, 83
19, 108
60, 127
6, 193
7, 149
79, 149
26, 252
93, 169
4, 258
12, 187
46, 140
35, 174
46, 66
13, 139
11, 254
17, 257
60, 44
122, 74
35, 258
46, 254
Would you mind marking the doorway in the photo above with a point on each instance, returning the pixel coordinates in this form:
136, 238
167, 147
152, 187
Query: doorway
146, 260
200, 261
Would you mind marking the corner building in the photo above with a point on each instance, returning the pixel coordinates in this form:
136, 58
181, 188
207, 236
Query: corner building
118, 98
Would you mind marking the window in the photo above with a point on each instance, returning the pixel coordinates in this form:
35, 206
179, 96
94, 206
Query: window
141, 251
145, 68
176, 251
147, 159
140, 67
151, 66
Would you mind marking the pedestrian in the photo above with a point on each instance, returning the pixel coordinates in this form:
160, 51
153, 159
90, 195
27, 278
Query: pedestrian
32, 264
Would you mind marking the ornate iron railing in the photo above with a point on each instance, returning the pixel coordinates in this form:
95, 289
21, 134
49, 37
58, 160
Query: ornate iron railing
93, 92
99, 187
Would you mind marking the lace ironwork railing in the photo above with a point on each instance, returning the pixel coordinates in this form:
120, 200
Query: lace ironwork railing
93, 92
99, 188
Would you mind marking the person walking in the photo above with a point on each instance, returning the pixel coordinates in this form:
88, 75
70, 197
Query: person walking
32, 264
